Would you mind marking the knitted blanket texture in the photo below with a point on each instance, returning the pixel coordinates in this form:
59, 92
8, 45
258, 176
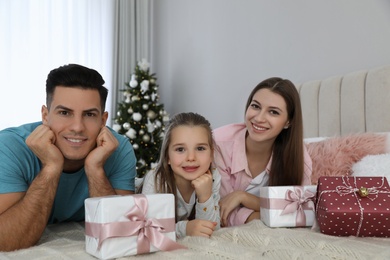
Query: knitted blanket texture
250, 241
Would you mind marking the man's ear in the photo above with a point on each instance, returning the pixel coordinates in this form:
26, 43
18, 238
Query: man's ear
104, 118
44, 114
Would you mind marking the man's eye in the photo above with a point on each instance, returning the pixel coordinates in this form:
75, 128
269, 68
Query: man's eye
90, 114
64, 113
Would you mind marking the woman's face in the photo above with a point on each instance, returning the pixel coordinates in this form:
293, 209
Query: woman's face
266, 116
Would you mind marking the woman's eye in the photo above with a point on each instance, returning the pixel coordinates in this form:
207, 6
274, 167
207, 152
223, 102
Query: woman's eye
274, 112
255, 106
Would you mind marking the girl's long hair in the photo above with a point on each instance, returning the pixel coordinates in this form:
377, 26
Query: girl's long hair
287, 167
165, 178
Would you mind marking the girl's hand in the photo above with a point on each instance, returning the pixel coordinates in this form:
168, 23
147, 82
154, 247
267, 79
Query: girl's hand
200, 227
228, 203
203, 186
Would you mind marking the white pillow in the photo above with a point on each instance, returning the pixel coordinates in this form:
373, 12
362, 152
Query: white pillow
373, 165
314, 139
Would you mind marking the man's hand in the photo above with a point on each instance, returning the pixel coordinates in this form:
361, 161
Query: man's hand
200, 227
41, 142
98, 184
24, 215
203, 186
106, 143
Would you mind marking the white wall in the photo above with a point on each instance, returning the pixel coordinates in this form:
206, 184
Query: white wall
209, 54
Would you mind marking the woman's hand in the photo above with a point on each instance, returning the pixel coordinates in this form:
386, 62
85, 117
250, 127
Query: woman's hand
200, 227
233, 200
228, 203
254, 215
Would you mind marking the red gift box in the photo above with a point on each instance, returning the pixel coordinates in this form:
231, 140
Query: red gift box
353, 206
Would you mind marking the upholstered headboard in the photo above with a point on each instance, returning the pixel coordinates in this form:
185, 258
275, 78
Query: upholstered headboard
354, 103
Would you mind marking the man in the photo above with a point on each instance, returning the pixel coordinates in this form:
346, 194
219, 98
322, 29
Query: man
48, 168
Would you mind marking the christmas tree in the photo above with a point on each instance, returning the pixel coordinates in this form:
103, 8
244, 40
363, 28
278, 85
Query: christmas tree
141, 118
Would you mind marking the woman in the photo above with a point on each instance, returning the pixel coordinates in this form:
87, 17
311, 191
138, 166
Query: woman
266, 150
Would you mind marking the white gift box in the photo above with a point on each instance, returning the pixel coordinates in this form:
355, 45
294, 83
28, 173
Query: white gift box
288, 206
117, 226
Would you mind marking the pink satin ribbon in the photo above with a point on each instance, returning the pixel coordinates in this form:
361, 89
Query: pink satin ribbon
294, 201
148, 230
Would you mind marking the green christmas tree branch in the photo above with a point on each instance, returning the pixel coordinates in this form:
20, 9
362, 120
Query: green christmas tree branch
141, 118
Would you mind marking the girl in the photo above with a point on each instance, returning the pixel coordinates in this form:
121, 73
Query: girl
268, 150
184, 169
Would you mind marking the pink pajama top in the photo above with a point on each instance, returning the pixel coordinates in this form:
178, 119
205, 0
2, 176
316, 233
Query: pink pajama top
231, 161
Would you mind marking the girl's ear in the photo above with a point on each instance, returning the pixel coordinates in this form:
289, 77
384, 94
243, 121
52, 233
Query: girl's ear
287, 125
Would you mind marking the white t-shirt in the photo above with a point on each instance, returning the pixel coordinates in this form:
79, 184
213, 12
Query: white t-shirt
259, 181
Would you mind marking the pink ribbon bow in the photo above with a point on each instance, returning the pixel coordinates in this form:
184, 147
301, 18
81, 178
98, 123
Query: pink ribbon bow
298, 199
148, 230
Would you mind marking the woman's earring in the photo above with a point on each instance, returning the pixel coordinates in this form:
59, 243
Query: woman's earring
285, 127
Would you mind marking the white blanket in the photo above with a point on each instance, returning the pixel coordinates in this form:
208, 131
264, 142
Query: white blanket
250, 241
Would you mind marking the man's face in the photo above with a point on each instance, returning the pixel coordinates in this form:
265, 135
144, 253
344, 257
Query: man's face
76, 118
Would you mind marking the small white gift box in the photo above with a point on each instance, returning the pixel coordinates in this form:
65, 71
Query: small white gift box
288, 206
117, 226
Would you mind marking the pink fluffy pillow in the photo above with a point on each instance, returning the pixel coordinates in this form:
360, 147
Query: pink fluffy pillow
335, 156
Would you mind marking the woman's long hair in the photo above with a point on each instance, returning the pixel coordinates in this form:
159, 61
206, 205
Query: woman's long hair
287, 167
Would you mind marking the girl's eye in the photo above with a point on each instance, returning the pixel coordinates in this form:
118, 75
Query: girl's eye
179, 149
201, 148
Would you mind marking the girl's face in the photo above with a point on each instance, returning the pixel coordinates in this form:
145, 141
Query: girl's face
189, 152
266, 116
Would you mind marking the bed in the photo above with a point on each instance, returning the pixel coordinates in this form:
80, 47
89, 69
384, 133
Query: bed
357, 102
